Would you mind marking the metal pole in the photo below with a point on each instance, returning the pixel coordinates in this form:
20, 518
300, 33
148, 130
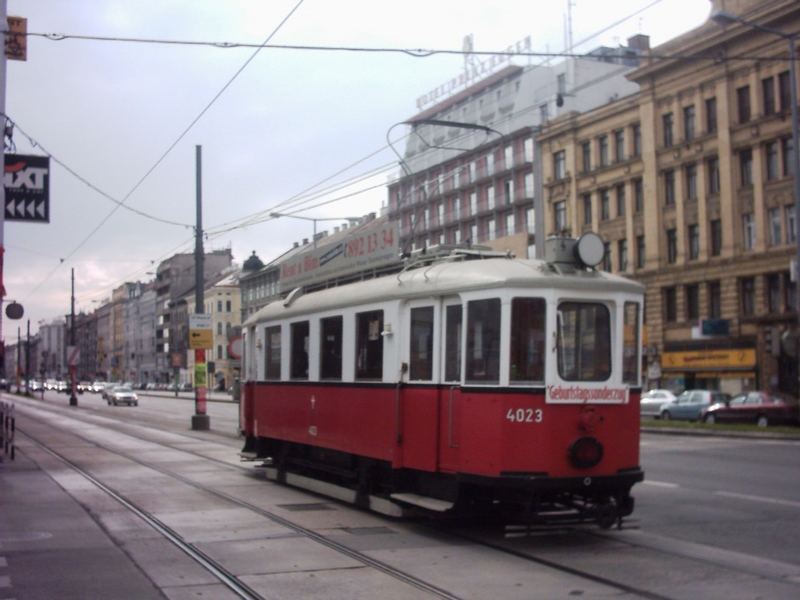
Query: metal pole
796, 168
28, 361
3, 31
73, 399
315, 232
200, 420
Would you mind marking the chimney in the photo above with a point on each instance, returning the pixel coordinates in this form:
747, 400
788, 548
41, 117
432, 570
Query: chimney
639, 42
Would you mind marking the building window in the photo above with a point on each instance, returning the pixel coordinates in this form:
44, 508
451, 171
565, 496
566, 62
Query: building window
692, 302
619, 145
369, 345
508, 191
670, 305
421, 340
527, 147
714, 300
490, 164
560, 216
771, 149
774, 293
330, 348
640, 252
622, 255
638, 195
483, 336
691, 181
607, 257
219, 327
508, 156
527, 352
743, 103
774, 224
510, 226
587, 209
791, 228
669, 187
491, 230
473, 203
559, 164
747, 290
748, 231
529, 185
543, 112
602, 147
666, 123
694, 241
787, 148
768, 95
490, 197
605, 205
789, 292
636, 132
746, 167
219, 351
672, 246
712, 165
586, 156
784, 91
716, 237
711, 115
688, 123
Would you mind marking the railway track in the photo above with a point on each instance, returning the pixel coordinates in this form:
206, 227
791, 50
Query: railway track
490, 540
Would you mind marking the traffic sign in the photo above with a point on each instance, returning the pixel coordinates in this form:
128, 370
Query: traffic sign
73, 356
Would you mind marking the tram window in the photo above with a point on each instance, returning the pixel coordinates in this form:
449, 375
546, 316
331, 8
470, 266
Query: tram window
369, 345
483, 341
330, 348
299, 350
452, 350
630, 344
527, 339
421, 363
273, 338
584, 341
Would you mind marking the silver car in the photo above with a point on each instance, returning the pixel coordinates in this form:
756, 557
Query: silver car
123, 395
650, 404
691, 404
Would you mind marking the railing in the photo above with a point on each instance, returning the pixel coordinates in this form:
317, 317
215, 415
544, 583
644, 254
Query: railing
8, 426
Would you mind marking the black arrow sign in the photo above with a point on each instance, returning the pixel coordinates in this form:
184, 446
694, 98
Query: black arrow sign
27, 183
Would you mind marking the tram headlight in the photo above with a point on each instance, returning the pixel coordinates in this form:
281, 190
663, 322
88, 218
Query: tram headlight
585, 452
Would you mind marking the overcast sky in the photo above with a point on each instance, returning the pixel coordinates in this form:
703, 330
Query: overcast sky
290, 121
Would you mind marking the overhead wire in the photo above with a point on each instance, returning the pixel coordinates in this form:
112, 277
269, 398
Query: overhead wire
171, 146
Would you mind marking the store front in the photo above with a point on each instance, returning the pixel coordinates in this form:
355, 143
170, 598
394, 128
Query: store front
729, 370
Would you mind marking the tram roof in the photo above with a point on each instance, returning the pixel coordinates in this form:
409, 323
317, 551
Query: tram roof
448, 278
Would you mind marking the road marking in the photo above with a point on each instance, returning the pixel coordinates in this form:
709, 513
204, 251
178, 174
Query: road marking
5, 581
663, 484
791, 503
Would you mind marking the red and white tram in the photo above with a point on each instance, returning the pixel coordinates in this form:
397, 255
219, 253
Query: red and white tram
466, 382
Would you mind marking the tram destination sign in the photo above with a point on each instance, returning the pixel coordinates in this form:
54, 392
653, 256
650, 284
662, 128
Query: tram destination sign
374, 246
27, 182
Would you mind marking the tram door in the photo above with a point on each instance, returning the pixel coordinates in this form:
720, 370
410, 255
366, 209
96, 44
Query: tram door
452, 328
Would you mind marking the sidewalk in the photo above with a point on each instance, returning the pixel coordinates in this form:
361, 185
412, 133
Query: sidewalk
50, 546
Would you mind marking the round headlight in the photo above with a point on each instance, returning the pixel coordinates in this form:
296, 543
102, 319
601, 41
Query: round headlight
585, 452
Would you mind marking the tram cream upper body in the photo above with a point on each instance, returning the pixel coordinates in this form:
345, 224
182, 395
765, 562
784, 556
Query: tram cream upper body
448, 278
444, 284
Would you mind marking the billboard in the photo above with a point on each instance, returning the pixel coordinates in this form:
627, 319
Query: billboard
372, 246
27, 182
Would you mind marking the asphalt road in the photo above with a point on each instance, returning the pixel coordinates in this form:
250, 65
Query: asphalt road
736, 494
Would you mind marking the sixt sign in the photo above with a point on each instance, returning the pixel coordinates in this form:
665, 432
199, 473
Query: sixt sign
27, 182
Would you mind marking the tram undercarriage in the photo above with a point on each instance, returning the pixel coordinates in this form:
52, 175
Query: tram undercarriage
533, 498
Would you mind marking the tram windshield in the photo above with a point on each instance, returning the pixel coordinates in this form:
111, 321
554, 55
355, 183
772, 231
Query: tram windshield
584, 341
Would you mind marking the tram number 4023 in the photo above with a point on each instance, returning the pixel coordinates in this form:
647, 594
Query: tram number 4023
525, 415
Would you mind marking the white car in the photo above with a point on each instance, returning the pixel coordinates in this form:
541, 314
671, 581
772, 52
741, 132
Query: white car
652, 401
123, 395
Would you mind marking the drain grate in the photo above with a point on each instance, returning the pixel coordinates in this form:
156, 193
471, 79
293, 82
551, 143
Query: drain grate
367, 530
306, 506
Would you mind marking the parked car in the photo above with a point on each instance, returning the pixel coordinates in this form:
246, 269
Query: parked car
123, 395
650, 404
761, 408
689, 406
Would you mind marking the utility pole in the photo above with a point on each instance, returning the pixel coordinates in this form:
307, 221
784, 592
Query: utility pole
28, 361
200, 419
73, 399
3, 33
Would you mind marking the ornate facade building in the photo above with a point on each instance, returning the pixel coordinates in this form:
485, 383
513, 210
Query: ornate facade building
690, 183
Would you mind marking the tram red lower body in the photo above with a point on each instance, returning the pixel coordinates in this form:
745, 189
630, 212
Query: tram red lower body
486, 433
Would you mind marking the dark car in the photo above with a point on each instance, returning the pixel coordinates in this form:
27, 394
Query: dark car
691, 404
761, 408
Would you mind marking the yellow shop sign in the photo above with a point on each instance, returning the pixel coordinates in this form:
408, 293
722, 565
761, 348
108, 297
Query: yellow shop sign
736, 358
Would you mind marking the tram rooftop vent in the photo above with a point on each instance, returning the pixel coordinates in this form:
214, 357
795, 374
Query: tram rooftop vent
566, 252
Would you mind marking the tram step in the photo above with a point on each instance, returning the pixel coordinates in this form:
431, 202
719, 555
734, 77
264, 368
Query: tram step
248, 455
423, 502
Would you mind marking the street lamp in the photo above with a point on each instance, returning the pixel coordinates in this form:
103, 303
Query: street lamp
722, 17
351, 220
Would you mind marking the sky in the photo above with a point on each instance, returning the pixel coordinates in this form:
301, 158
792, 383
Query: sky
296, 131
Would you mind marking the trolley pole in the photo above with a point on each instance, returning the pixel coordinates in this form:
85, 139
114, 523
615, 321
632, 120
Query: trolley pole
73, 399
200, 419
